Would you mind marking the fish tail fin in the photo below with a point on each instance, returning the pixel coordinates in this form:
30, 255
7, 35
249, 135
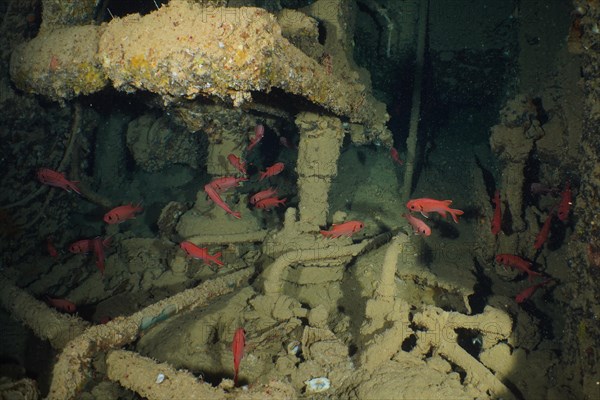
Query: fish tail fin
106, 242
531, 274
237, 214
73, 186
139, 205
455, 213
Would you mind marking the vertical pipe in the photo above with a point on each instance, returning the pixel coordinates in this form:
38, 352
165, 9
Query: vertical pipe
318, 153
411, 141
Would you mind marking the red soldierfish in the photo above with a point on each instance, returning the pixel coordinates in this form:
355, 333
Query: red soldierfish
62, 304
565, 203
237, 163
517, 262
225, 183
200, 253
543, 233
419, 227
259, 133
497, 220
269, 202
262, 195
395, 156
425, 206
528, 292
50, 247
239, 342
56, 179
272, 170
345, 229
98, 246
122, 213
86, 245
214, 196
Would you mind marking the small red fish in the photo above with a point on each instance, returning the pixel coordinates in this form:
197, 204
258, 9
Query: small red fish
528, 292
226, 182
565, 203
269, 202
237, 163
62, 304
200, 253
270, 192
497, 220
517, 262
395, 156
425, 205
259, 133
122, 213
80, 246
272, 170
237, 347
419, 227
543, 233
56, 179
98, 246
85, 245
214, 196
50, 247
345, 229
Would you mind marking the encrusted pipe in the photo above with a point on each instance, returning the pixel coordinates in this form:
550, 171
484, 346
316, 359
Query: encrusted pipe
45, 322
273, 274
182, 51
160, 381
72, 368
318, 153
386, 289
156, 381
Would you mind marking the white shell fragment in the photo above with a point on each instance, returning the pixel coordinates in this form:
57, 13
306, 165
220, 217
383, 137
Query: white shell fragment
317, 385
293, 347
160, 378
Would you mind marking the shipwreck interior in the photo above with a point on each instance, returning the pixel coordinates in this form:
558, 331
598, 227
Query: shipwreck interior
345, 199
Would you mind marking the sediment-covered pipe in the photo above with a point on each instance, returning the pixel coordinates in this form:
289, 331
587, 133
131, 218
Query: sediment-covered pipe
156, 381
273, 274
160, 381
182, 51
494, 323
71, 370
44, 321
318, 152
